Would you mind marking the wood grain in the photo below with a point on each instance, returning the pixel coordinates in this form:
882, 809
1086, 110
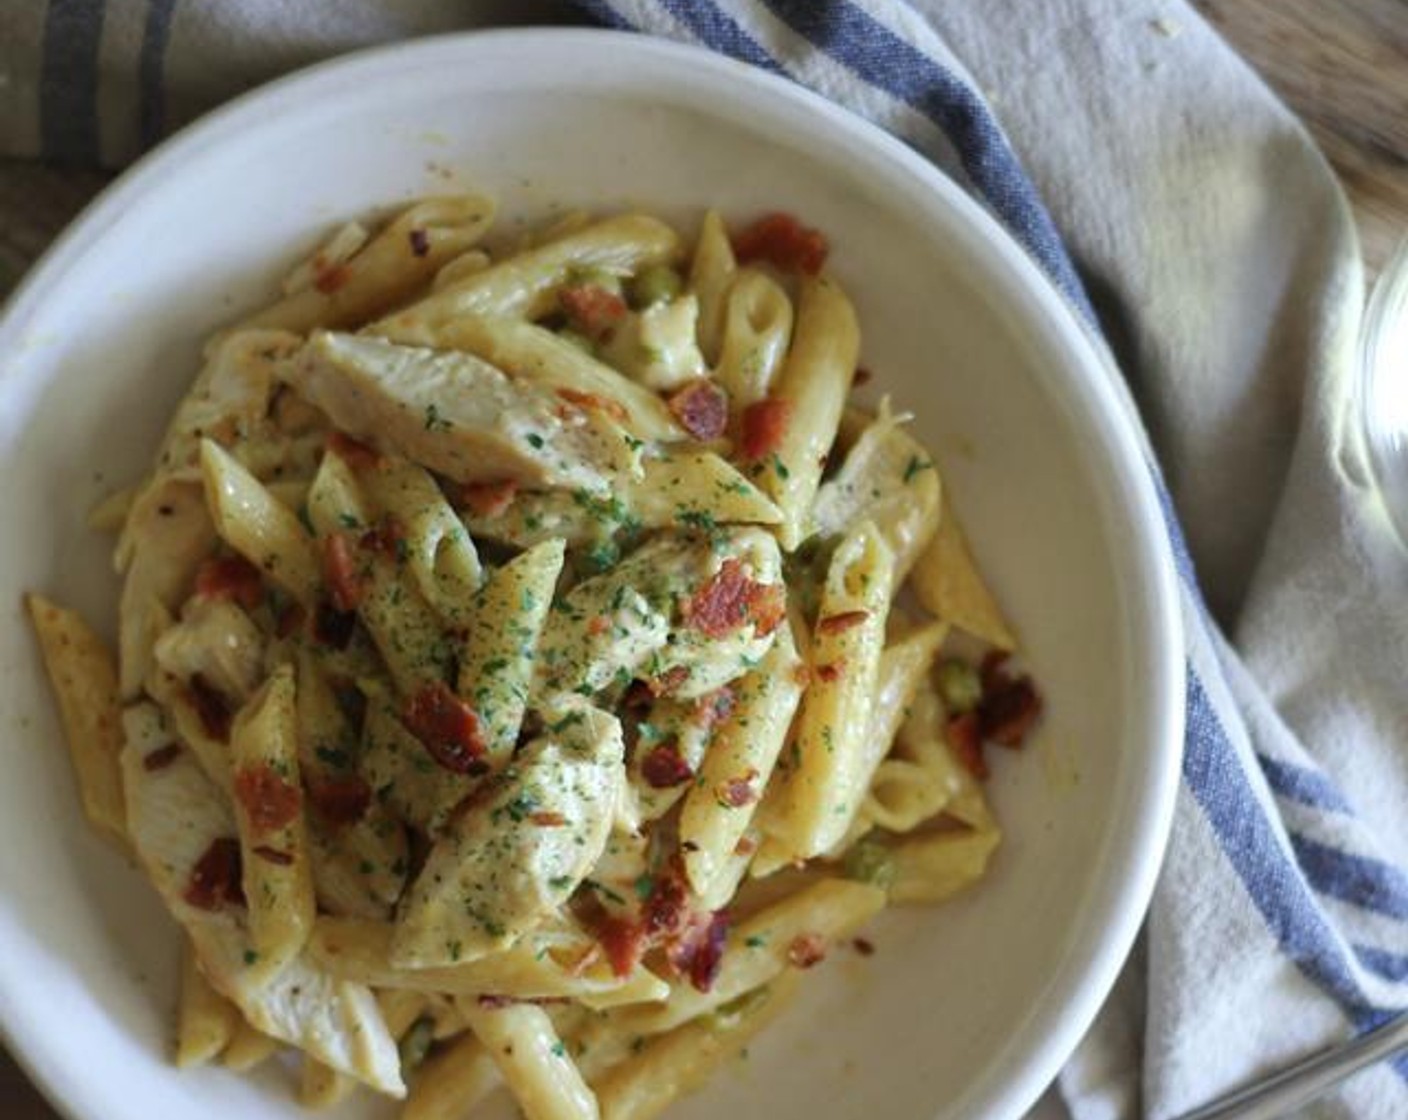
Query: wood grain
1342, 65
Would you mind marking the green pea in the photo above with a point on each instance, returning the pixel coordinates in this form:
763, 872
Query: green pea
655, 284
959, 686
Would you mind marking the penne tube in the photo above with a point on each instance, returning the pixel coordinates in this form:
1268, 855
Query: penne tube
84, 680
522, 349
680, 488
680, 1062
497, 663
722, 800
257, 526
397, 263
825, 780
277, 875
756, 329
533, 1061
205, 1020
711, 273
949, 586
890, 479
525, 285
934, 867
811, 390
793, 929
452, 1083
438, 550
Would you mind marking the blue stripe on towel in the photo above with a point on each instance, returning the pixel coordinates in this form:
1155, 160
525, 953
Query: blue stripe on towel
881, 58
1362, 881
1304, 786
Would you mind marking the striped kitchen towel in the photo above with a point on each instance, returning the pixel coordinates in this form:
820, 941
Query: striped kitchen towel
1188, 218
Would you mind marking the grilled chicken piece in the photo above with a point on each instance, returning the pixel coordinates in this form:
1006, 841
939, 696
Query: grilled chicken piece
519, 850
458, 415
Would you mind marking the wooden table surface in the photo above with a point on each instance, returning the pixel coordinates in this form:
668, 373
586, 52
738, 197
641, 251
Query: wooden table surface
1341, 64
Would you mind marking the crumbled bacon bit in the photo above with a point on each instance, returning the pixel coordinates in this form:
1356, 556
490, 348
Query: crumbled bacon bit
670, 680
965, 740
270, 800
340, 572
667, 907
387, 538
594, 402
663, 767
746, 846
863, 376
1009, 705
230, 577
544, 819
839, 623
210, 706
274, 855
448, 727
638, 697
622, 941
704, 956
332, 627
729, 599
332, 279
355, 453
737, 792
598, 625
781, 240
714, 707
161, 758
831, 671
592, 309
763, 426
215, 879
863, 946
341, 800
488, 499
806, 950
767, 607
701, 407
420, 242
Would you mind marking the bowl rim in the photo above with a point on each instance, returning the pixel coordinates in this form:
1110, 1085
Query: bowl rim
1088, 975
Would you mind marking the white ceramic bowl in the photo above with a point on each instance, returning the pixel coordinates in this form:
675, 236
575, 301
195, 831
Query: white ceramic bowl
966, 1010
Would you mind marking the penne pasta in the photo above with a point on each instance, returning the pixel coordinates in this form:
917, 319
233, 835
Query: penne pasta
811, 390
825, 779
84, 681
391, 268
678, 1063
278, 882
947, 583
525, 285
721, 802
524, 350
711, 274
256, 525
505, 678
206, 1021
755, 331
533, 1061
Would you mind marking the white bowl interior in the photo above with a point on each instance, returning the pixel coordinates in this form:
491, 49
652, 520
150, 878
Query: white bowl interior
965, 1009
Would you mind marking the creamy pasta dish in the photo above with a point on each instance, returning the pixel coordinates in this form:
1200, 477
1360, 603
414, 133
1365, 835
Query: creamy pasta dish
531, 659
